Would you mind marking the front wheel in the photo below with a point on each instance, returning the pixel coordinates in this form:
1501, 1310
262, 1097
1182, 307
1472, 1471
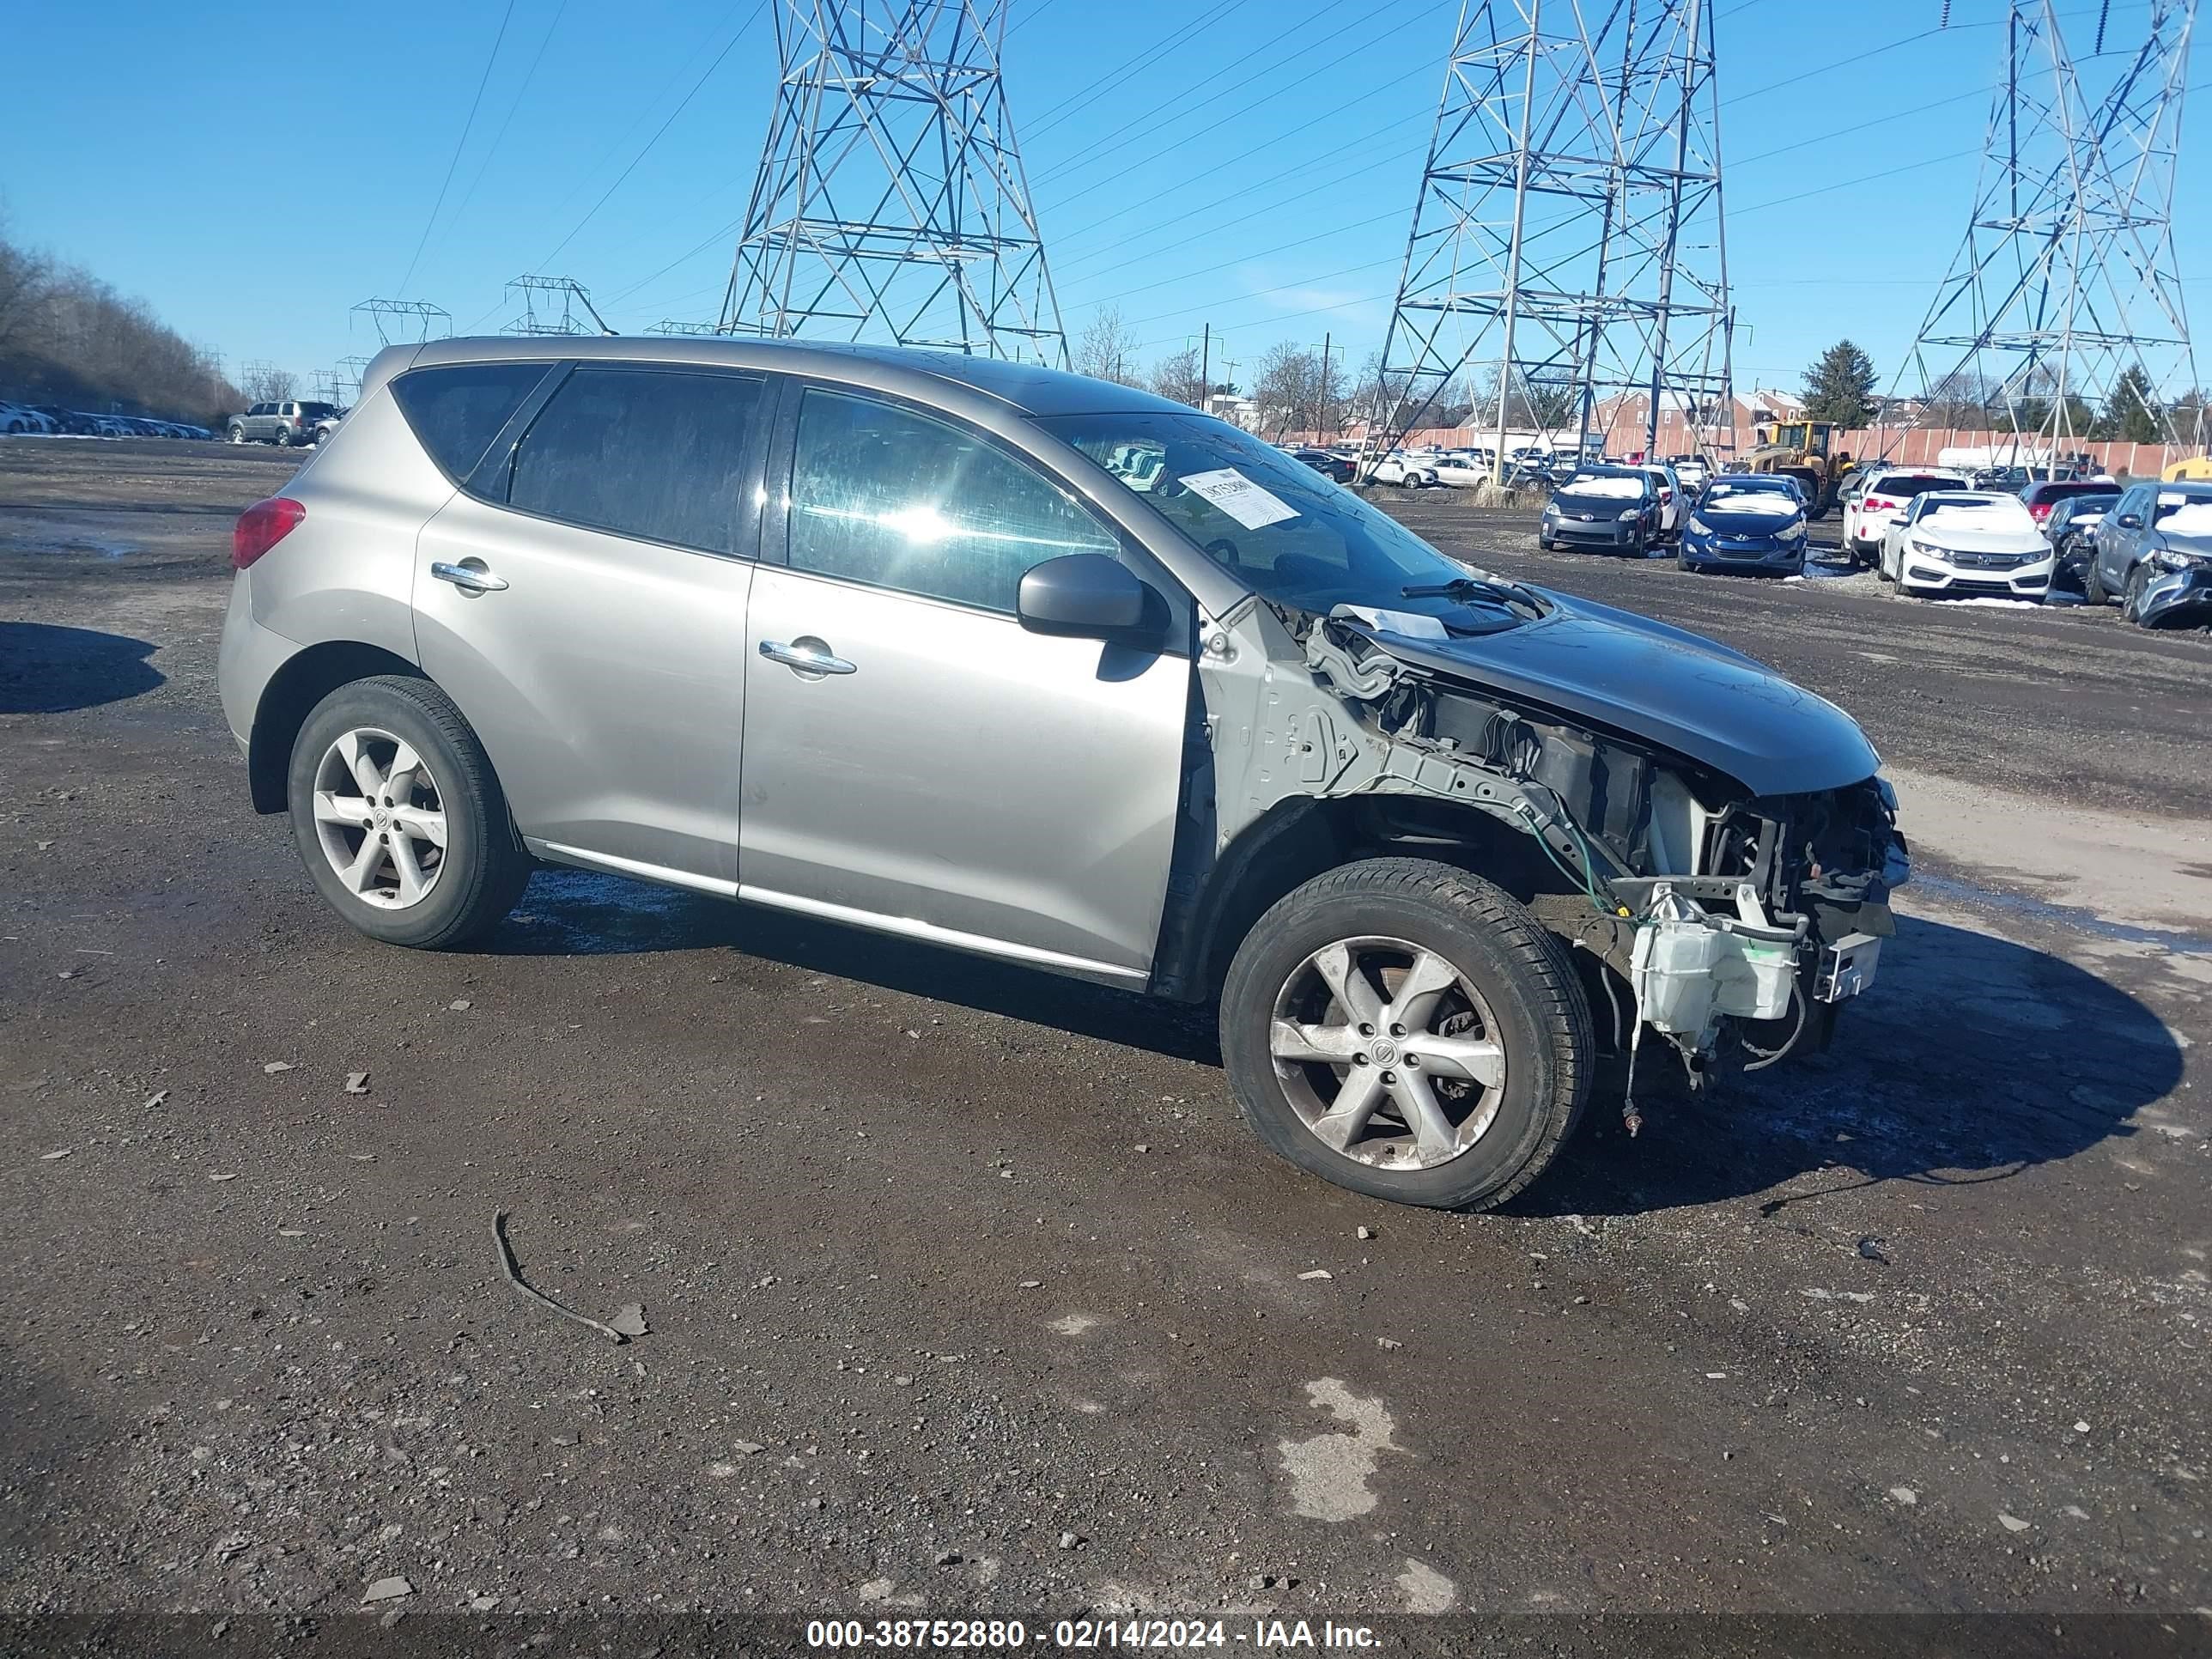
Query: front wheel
237, 435
2131, 595
2094, 590
399, 816
1409, 1030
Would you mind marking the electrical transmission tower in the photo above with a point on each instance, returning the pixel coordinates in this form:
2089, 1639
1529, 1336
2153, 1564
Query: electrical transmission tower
404, 322
2063, 306
349, 372
890, 203
670, 325
1566, 249
551, 305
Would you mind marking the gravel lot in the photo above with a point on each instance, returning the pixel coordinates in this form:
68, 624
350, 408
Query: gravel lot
968, 1291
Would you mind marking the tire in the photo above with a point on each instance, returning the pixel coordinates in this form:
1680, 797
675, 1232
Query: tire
237, 433
2131, 593
2094, 590
482, 869
281, 437
1543, 546
1526, 1004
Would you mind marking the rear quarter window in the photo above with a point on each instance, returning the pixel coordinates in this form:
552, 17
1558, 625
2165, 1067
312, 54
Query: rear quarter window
652, 453
458, 410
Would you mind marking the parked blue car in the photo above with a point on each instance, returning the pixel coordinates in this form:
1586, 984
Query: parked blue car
1752, 522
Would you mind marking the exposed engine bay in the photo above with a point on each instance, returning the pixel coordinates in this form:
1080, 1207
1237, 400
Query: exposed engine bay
1727, 923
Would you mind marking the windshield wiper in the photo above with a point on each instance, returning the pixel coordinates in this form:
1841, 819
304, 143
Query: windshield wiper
1511, 594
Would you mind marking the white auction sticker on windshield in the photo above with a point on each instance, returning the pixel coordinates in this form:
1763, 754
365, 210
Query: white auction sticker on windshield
1239, 497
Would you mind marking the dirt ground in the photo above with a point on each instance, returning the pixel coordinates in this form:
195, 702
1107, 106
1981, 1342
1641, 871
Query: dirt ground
967, 1290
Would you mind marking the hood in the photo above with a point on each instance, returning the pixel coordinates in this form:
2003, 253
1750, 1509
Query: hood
1972, 539
1664, 685
1763, 519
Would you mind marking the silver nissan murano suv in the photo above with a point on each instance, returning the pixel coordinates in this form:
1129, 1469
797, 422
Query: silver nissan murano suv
1050, 670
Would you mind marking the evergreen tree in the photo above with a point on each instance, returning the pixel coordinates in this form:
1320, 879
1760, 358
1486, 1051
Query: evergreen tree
2134, 415
1839, 387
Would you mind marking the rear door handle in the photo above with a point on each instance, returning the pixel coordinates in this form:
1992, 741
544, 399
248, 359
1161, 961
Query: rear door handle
807, 655
470, 577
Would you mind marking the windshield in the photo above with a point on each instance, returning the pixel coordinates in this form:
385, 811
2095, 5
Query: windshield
1977, 513
1278, 528
1777, 498
1904, 486
2171, 501
1608, 486
2192, 520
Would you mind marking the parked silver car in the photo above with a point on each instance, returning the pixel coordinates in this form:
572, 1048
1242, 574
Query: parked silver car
1053, 671
284, 422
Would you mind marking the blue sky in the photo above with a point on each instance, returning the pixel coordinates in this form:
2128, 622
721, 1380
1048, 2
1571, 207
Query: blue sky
253, 170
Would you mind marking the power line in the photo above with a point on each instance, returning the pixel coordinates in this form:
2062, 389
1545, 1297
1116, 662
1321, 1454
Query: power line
1143, 60
658, 132
1095, 144
528, 76
459, 144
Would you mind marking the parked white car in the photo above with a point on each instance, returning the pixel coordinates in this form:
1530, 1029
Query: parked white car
1692, 471
1400, 468
1967, 541
18, 420
1461, 471
1871, 507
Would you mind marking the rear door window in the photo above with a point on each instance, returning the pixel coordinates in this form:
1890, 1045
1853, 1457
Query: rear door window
458, 410
655, 453
883, 496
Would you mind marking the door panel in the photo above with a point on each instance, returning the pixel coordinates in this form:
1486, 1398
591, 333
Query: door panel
604, 680
967, 775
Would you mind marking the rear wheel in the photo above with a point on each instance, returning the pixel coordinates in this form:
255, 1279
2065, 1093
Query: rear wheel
2093, 590
400, 817
1407, 1031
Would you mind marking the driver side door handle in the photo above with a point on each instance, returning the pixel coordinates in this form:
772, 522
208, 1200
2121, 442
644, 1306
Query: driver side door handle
808, 656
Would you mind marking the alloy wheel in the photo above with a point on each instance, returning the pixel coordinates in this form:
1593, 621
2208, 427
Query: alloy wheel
1388, 1054
380, 819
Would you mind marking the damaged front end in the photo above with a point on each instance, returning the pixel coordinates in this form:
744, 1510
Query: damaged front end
1723, 879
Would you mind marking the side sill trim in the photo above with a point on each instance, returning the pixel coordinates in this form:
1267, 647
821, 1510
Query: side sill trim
904, 927
638, 867
909, 927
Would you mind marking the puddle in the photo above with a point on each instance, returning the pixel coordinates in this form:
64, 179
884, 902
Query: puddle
88, 547
2063, 915
584, 913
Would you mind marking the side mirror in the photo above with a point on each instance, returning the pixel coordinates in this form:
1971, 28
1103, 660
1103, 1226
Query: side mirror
1081, 595
2130, 521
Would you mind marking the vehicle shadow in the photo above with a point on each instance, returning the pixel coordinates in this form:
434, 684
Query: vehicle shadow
581, 913
1971, 1059
45, 669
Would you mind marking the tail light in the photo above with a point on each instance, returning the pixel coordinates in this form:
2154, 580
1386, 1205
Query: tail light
1876, 504
2039, 512
261, 526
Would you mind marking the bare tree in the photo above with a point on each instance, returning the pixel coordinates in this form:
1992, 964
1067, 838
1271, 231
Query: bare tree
26, 289
67, 337
265, 384
1283, 388
1178, 376
1106, 350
